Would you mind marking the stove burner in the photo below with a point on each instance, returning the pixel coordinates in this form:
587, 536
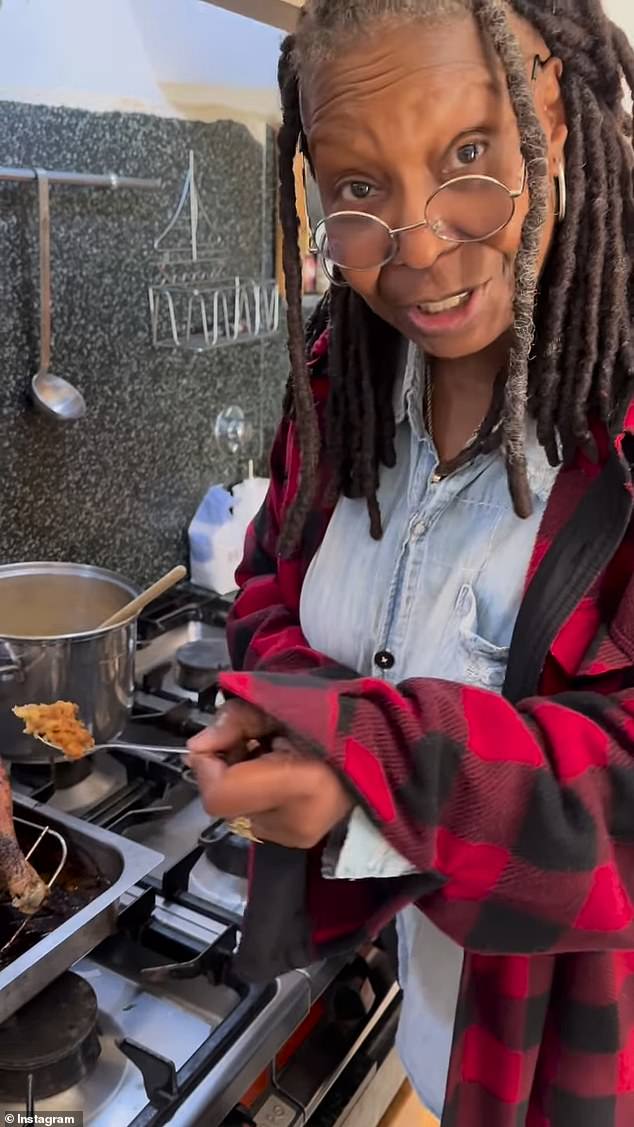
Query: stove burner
54, 1037
62, 775
68, 774
32, 775
219, 876
75, 787
227, 852
200, 661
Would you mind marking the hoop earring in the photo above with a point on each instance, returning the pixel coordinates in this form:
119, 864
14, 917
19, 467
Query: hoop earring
560, 181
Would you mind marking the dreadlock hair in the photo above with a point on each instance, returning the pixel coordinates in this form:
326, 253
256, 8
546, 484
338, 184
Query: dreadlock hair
578, 318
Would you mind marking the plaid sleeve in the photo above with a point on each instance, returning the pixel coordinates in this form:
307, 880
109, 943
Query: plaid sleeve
521, 818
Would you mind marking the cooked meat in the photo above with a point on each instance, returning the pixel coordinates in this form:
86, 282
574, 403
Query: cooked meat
58, 724
17, 877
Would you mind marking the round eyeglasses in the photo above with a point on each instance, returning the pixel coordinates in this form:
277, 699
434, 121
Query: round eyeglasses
468, 209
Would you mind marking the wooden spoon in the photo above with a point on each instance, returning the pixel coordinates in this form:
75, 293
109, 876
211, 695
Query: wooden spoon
130, 610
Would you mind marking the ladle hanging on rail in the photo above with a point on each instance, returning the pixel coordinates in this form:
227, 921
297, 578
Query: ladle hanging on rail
53, 395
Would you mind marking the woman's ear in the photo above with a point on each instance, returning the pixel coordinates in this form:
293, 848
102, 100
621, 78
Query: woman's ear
551, 110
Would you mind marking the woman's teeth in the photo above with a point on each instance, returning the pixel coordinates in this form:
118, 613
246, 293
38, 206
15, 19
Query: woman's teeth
448, 303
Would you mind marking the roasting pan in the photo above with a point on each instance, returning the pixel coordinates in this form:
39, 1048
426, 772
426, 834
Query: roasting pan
82, 908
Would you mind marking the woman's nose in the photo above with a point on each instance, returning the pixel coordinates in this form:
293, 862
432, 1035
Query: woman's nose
418, 247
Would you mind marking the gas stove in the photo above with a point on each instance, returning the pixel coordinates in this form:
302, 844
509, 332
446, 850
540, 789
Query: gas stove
154, 1027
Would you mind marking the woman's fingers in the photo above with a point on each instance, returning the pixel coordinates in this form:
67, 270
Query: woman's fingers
234, 726
289, 799
245, 789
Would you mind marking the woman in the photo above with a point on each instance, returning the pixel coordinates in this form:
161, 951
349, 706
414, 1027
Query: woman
435, 632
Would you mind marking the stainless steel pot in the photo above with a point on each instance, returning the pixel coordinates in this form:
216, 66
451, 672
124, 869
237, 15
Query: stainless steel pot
51, 649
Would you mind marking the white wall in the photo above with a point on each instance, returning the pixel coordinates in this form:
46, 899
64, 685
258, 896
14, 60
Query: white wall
622, 12
172, 57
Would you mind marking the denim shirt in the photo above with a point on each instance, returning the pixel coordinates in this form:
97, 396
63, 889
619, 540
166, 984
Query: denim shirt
440, 592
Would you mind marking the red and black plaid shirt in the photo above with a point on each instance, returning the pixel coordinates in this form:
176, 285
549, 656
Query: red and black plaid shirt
517, 811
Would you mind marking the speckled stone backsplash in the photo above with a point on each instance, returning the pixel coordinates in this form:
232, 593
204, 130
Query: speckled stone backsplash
120, 487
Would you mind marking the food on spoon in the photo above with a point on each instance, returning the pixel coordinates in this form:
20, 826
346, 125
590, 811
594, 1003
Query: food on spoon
57, 724
26, 889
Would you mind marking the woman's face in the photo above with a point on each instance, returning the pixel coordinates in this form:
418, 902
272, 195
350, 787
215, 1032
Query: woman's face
391, 118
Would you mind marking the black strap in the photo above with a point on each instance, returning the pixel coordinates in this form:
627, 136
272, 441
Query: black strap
581, 550
276, 928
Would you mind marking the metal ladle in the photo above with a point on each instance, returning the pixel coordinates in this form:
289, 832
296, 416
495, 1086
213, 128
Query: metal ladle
52, 395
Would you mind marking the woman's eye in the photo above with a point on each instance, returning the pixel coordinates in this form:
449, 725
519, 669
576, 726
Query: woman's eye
356, 190
468, 154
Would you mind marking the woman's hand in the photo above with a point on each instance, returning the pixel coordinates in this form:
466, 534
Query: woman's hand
236, 727
289, 798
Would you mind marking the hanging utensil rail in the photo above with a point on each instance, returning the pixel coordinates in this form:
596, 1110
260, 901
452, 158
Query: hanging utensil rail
82, 179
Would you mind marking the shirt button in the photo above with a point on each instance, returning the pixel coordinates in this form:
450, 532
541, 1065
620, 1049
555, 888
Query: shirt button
384, 659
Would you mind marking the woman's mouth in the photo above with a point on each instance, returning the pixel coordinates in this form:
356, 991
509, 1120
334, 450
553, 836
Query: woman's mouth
448, 303
448, 315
